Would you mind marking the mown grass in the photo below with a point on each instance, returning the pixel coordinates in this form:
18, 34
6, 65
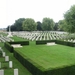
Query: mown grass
16, 64
49, 57
18, 38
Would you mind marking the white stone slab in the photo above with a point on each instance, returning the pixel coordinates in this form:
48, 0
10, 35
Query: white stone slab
10, 64
1, 72
6, 58
51, 43
15, 71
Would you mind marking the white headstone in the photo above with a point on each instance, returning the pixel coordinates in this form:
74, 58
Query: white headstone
10, 64
3, 54
15, 71
6, 58
1, 72
0, 64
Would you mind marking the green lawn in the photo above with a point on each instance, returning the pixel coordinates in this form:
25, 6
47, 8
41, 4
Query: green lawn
49, 57
18, 38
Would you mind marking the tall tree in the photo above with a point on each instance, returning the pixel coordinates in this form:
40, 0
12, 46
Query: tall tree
62, 25
39, 26
17, 26
47, 24
29, 24
56, 26
70, 19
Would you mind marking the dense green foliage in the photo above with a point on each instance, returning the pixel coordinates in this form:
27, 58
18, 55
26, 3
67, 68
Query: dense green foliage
17, 26
47, 24
61, 25
56, 27
29, 25
39, 24
70, 19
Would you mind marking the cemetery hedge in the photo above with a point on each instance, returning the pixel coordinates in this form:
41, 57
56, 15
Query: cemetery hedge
10, 48
44, 42
57, 42
20, 42
65, 43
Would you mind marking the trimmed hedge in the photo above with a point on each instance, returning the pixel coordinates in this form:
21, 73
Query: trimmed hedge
20, 42
65, 43
44, 42
57, 42
10, 48
64, 70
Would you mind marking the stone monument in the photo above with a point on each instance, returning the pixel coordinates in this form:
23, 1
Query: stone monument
9, 33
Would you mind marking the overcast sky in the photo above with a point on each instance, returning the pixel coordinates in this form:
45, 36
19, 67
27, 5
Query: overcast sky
11, 10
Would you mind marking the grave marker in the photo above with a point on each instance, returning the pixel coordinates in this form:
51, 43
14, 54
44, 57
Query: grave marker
10, 64
1, 72
15, 71
6, 58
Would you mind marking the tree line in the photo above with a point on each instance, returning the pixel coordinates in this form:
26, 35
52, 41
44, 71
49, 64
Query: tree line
47, 24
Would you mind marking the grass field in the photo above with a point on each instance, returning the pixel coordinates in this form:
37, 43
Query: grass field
49, 57
18, 38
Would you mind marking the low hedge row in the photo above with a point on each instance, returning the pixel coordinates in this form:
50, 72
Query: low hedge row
72, 44
44, 42
64, 70
20, 42
57, 42
10, 48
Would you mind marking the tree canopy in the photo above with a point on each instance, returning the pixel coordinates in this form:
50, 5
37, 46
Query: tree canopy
70, 19
17, 26
39, 26
29, 24
62, 25
47, 24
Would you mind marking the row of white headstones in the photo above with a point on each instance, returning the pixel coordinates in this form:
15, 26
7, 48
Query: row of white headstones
43, 36
10, 65
5, 39
39, 35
